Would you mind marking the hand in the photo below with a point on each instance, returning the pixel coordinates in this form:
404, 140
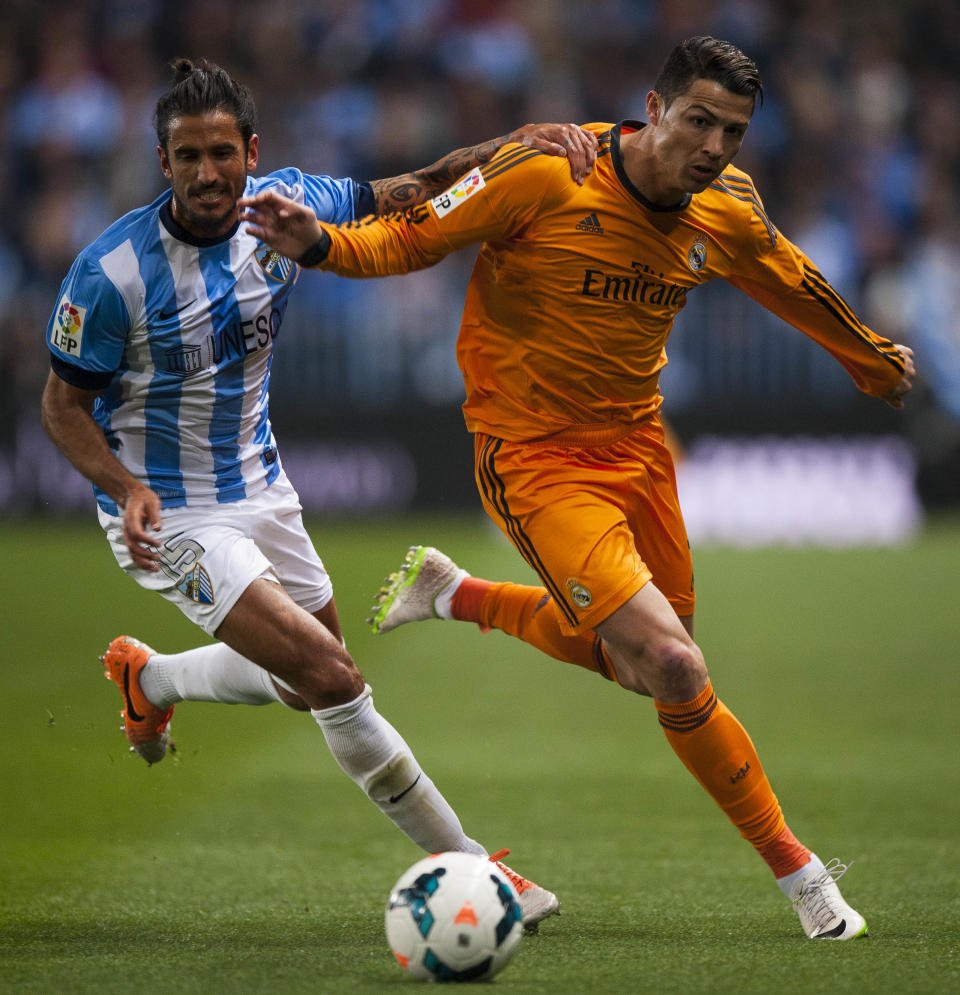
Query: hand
284, 225
895, 397
142, 510
570, 140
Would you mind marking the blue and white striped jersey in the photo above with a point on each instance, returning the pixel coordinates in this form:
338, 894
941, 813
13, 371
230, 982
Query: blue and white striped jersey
178, 334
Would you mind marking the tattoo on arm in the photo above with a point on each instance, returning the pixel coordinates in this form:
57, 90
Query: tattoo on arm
400, 192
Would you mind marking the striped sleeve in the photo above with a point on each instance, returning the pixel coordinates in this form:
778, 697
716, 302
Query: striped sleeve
817, 310
777, 274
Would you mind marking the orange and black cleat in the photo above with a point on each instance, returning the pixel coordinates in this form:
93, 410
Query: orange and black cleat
147, 727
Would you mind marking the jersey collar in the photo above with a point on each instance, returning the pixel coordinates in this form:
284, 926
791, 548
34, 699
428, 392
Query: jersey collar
182, 235
615, 132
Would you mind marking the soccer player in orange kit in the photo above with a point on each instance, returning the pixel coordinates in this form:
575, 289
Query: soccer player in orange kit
572, 298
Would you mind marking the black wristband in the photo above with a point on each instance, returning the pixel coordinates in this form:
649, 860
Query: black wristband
316, 253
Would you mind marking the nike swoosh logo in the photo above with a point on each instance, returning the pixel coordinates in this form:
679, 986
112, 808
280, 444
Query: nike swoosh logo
135, 716
164, 315
396, 798
831, 933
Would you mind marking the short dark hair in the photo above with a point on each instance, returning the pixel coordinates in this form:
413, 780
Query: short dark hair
704, 57
200, 88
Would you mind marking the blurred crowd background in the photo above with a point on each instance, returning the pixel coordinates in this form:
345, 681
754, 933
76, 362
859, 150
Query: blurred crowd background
855, 151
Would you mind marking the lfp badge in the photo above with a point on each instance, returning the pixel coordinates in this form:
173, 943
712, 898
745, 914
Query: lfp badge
459, 193
67, 332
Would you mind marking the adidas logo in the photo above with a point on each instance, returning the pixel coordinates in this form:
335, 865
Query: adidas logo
590, 223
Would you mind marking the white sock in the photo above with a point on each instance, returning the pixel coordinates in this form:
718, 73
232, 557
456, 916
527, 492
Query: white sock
443, 603
374, 755
208, 673
788, 883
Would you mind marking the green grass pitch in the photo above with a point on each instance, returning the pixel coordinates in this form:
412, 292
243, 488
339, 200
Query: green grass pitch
249, 863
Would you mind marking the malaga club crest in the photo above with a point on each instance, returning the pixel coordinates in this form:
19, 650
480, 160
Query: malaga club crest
196, 585
276, 266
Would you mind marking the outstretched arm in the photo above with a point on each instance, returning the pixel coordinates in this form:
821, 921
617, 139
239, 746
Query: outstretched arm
400, 192
878, 366
478, 208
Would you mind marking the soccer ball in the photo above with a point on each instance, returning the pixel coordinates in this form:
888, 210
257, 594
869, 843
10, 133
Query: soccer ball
453, 917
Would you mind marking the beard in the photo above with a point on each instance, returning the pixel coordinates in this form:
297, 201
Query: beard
204, 224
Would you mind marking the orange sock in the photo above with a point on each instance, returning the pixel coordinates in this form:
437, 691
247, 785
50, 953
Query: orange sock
785, 854
468, 599
716, 749
524, 612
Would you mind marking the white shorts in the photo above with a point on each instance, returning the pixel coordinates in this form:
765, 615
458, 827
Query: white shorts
211, 555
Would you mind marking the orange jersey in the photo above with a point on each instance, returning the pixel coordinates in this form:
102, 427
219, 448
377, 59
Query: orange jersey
575, 288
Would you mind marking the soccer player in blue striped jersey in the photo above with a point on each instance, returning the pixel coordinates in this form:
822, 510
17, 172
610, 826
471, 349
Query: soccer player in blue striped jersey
160, 344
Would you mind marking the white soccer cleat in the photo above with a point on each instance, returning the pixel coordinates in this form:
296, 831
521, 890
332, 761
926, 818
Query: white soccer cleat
823, 913
410, 593
536, 903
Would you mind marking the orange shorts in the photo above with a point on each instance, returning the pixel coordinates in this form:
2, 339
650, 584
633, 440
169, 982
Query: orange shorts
595, 512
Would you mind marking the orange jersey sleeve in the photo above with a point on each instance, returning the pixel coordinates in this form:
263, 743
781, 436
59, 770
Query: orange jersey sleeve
776, 274
575, 288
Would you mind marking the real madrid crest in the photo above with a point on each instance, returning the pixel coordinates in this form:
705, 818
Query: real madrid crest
580, 594
697, 256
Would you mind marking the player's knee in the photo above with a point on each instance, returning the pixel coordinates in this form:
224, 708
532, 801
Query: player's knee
329, 679
290, 698
679, 669
670, 668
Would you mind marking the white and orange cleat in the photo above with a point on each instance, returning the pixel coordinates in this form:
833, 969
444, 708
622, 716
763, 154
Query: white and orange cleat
147, 727
823, 912
536, 903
